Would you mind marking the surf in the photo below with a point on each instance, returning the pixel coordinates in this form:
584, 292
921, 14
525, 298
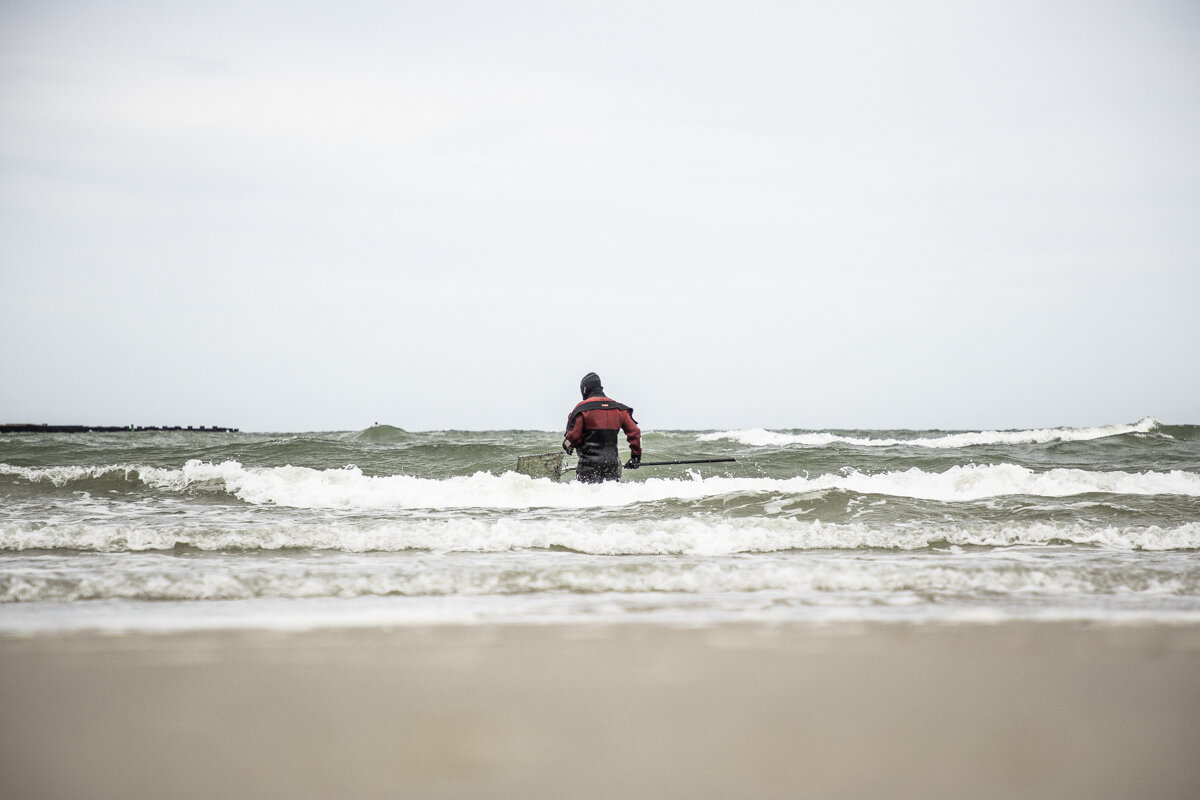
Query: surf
678, 536
348, 488
759, 437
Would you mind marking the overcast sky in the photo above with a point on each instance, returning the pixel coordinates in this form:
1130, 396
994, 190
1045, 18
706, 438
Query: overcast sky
315, 216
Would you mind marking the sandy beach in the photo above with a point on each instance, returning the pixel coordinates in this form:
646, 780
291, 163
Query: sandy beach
1030, 710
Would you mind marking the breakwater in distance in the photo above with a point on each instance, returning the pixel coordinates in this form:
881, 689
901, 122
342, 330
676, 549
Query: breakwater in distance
25, 427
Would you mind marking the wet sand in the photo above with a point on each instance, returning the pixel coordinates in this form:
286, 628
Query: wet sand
1015, 710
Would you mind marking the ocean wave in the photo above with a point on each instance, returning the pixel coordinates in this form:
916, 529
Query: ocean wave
65, 475
348, 488
382, 434
759, 437
800, 580
693, 535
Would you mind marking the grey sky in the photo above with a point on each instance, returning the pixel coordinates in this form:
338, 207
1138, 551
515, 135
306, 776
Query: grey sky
291, 216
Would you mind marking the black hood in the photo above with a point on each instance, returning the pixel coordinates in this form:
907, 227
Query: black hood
590, 385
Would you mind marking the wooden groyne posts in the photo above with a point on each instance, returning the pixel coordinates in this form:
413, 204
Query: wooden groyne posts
24, 427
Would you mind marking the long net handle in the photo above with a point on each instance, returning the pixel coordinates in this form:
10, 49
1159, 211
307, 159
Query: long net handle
688, 461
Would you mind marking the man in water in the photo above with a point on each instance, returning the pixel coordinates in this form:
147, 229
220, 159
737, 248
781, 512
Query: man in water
592, 429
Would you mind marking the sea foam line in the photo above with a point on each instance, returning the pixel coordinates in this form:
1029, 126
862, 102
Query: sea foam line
348, 488
691, 535
759, 437
804, 580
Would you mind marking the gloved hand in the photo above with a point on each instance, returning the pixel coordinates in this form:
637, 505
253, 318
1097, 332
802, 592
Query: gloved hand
634, 462
570, 448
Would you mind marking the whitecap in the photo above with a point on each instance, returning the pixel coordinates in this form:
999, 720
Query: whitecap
760, 437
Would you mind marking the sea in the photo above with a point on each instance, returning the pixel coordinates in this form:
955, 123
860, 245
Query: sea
187, 530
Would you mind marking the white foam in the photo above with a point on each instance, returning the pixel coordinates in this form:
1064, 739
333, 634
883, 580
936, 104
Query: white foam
348, 488
713, 584
61, 476
759, 437
691, 535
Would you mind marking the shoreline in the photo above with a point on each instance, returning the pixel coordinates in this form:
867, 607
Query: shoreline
847, 710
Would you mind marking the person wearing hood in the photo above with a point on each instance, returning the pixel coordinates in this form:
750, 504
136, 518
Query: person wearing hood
593, 427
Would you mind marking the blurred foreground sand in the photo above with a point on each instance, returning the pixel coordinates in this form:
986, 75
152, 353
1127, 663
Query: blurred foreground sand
1014, 710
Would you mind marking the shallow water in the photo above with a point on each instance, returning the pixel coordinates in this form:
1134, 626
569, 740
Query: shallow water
179, 530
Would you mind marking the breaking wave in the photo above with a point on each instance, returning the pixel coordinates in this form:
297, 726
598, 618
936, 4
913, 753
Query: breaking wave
349, 488
695, 536
759, 437
798, 581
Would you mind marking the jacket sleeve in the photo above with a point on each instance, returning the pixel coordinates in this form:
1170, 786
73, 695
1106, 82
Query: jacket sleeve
632, 433
575, 432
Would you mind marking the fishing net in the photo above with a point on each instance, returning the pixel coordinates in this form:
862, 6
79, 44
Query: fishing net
544, 465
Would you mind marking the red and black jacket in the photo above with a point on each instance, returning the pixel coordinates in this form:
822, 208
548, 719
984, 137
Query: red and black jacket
593, 427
